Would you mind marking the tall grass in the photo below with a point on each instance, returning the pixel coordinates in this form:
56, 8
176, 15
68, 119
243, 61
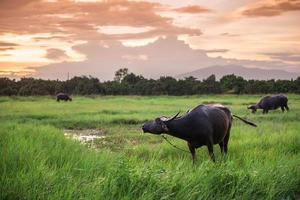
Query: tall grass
38, 162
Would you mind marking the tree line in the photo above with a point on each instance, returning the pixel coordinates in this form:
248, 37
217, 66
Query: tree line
126, 83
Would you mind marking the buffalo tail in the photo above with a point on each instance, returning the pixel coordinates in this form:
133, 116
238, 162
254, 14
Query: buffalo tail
245, 121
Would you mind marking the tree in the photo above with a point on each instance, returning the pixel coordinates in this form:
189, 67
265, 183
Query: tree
8, 87
132, 79
120, 74
131, 84
233, 84
168, 84
210, 85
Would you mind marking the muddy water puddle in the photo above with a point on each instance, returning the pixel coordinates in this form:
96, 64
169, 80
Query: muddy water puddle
86, 136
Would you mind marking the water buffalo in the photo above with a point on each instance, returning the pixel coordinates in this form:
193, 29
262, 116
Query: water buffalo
63, 96
271, 103
204, 125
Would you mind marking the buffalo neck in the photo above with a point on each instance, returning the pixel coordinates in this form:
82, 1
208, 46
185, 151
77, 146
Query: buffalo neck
177, 128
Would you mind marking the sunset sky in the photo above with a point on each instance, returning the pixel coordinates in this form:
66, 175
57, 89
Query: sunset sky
51, 38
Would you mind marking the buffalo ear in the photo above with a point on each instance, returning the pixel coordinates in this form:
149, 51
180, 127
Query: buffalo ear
158, 120
162, 124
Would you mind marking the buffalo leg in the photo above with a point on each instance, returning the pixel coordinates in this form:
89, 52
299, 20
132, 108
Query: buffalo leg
286, 107
225, 141
282, 108
211, 151
192, 150
221, 144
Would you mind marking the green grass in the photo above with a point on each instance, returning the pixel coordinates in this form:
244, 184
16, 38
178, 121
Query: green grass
38, 162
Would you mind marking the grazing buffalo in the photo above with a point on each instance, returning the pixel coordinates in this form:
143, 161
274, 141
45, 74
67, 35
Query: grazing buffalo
63, 96
204, 125
271, 103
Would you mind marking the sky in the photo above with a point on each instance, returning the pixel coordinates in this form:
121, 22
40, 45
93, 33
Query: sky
50, 39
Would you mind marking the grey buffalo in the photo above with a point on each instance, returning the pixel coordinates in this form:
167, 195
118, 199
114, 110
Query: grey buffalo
63, 96
271, 103
205, 125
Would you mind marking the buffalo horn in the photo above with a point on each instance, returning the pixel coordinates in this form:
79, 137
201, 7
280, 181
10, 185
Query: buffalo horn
174, 116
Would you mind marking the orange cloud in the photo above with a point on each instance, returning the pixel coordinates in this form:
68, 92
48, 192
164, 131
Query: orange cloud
7, 44
82, 19
192, 9
4, 46
15, 70
272, 9
15, 74
52, 24
14, 4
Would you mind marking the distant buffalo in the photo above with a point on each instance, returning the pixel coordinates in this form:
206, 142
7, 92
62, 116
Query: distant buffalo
271, 103
63, 96
204, 125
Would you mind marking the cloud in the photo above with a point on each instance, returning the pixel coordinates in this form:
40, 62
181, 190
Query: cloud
15, 70
135, 57
4, 46
56, 54
13, 4
7, 44
15, 74
217, 50
192, 9
81, 20
229, 34
289, 57
40, 24
164, 57
5, 49
46, 28
273, 8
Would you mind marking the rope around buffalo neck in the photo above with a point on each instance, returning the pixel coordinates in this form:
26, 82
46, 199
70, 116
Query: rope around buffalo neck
174, 145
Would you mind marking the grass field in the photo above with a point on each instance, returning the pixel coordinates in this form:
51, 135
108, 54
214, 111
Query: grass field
38, 162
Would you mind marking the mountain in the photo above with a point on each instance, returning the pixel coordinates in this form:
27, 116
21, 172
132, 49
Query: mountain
246, 73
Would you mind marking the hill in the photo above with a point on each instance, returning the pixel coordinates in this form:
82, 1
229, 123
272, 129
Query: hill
246, 73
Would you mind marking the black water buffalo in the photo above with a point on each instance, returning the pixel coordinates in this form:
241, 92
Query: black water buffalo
271, 103
63, 96
204, 125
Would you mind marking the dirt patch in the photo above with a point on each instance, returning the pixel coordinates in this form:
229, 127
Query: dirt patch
86, 136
